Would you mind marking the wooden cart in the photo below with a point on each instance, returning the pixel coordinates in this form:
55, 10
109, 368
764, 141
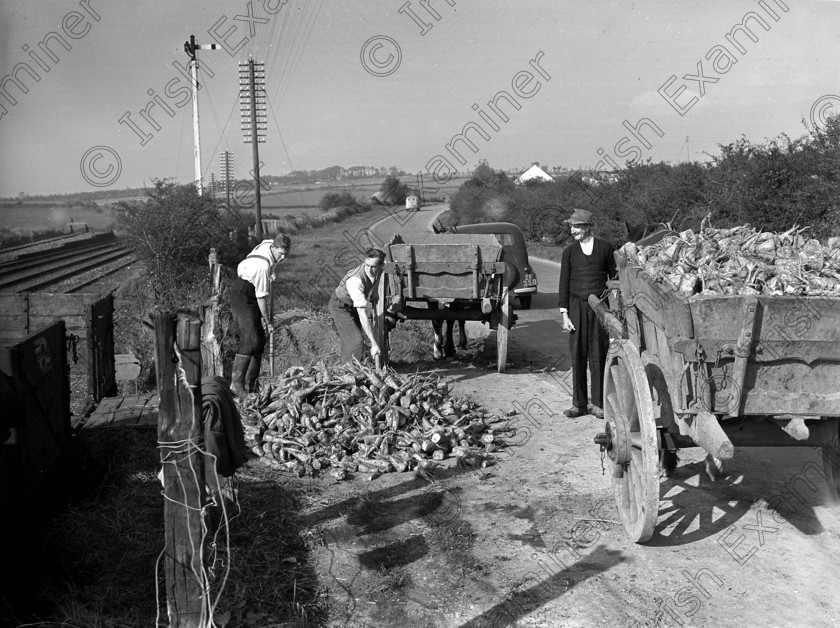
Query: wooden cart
432, 271
716, 372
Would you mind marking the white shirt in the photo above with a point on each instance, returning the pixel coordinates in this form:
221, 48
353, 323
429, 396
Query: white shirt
356, 290
255, 270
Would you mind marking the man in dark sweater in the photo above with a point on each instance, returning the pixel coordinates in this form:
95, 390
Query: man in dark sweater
585, 268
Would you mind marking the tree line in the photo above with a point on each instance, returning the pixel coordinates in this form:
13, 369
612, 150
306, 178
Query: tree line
773, 185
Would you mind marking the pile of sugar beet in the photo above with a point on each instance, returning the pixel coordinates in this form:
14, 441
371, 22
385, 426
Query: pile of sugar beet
346, 419
742, 260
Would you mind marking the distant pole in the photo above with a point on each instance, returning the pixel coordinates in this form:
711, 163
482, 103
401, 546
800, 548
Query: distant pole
687, 148
252, 93
190, 48
256, 153
226, 167
420, 200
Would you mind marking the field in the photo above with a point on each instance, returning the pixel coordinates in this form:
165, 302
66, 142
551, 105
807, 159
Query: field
277, 201
43, 216
282, 200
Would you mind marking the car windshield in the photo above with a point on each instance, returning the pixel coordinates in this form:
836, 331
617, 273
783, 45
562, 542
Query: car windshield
505, 238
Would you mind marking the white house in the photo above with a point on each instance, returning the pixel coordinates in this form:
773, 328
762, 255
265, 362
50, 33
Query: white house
534, 172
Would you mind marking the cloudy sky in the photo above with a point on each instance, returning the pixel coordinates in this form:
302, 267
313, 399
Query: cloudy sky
364, 83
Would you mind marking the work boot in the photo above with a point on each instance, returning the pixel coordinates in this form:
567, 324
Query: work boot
252, 375
237, 380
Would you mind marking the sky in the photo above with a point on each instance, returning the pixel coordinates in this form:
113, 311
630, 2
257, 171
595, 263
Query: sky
384, 83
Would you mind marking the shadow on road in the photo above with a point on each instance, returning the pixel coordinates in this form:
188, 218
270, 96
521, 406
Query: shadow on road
710, 508
521, 602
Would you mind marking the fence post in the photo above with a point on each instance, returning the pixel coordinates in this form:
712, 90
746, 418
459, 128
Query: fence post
181, 444
211, 349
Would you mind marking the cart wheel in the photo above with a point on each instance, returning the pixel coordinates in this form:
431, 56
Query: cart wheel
502, 331
628, 411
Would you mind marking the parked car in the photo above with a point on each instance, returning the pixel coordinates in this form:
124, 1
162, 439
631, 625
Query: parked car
515, 251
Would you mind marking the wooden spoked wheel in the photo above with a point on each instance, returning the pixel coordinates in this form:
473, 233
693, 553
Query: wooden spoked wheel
634, 448
502, 331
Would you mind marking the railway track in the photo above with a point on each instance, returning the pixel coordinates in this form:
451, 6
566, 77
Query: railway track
35, 271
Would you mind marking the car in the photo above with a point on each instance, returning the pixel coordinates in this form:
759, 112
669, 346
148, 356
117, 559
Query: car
515, 251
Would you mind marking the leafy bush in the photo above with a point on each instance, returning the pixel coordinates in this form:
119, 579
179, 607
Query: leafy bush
172, 232
774, 185
13, 237
392, 191
337, 199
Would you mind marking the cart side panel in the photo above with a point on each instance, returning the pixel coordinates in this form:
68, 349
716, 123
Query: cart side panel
458, 266
804, 329
788, 388
448, 285
665, 308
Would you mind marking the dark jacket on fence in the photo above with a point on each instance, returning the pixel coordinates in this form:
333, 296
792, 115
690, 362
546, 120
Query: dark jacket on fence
223, 433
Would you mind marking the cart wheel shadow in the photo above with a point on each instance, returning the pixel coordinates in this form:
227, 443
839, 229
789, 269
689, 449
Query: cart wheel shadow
692, 507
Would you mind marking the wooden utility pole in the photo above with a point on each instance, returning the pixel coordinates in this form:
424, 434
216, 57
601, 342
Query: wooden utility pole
226, 173
252, 94
190, 48
181, 444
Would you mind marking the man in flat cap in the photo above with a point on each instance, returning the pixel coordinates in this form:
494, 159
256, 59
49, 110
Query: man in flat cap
585, 267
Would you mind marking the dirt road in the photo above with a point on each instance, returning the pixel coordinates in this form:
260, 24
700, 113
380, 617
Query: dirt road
533, 540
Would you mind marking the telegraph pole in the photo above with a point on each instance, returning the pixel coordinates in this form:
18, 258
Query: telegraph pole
226, 173
252, 94
190, 48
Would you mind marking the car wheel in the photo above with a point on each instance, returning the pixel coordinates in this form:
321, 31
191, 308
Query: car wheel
525, 302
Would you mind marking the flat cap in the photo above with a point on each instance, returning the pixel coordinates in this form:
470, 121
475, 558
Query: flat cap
581, 217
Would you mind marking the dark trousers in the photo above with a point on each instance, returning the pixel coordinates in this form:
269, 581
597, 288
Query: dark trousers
588, 345
247, 316
350, 330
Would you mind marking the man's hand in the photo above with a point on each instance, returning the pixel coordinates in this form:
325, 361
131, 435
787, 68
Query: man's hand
566, 322
374, 350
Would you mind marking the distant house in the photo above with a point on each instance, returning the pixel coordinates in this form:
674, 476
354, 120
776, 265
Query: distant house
534, 172
362, 171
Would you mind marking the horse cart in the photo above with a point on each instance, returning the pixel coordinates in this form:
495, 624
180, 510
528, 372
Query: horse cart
716, 372
456, 277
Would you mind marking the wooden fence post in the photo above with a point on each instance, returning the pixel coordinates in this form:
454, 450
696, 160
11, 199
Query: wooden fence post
181, 443
211, 348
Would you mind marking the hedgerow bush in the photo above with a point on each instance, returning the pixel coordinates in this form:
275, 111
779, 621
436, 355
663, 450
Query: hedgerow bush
775, 185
